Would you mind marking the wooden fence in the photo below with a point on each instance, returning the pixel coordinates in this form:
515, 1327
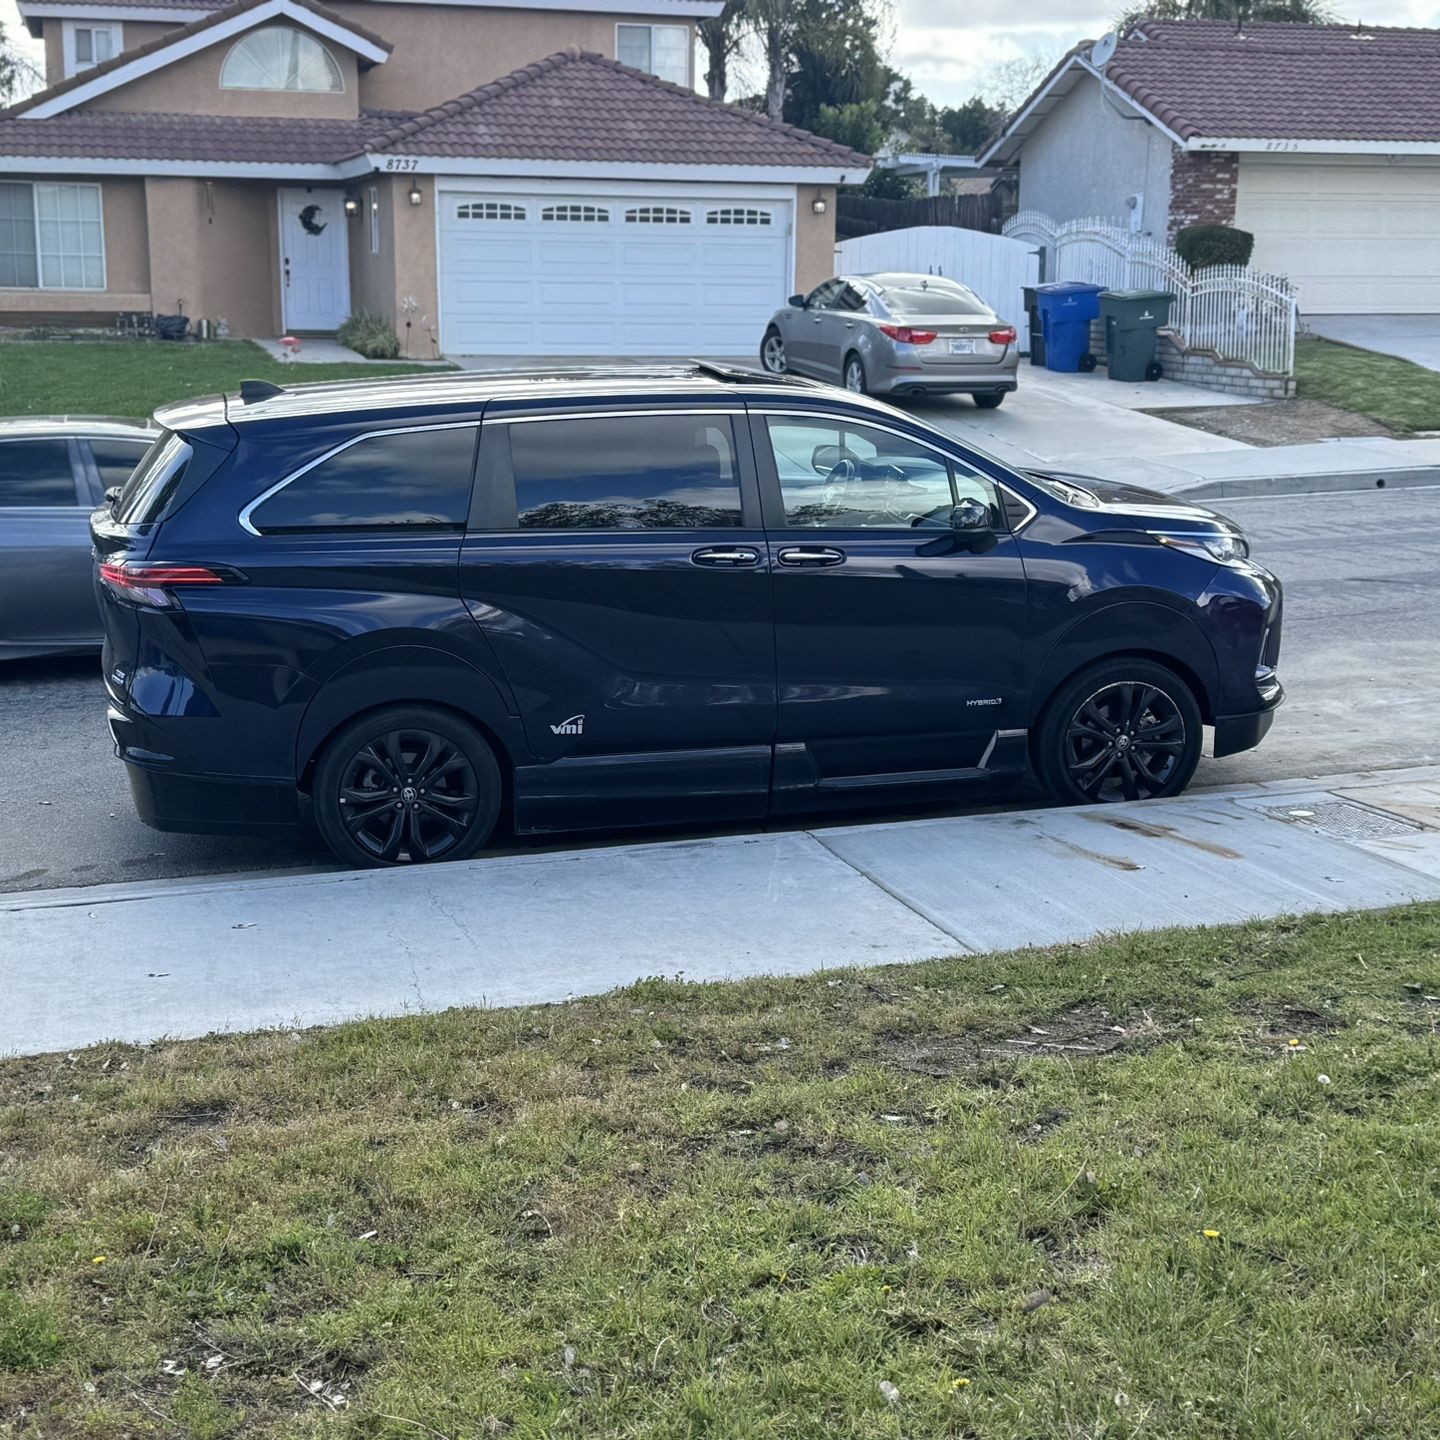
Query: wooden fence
861, 215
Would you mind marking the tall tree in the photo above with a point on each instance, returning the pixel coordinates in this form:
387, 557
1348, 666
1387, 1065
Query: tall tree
18, 73
721, 35
1298, 12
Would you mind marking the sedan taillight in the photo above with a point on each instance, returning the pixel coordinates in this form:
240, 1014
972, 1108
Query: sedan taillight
1005, 336
907, 336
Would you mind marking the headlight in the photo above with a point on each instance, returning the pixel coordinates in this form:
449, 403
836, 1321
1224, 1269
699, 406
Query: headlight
1222, 546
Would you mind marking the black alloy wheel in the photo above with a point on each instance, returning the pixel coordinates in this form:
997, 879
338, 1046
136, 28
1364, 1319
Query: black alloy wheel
406, 787
1124, 731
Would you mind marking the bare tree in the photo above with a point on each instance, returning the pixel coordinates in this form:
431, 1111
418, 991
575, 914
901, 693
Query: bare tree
721, 36
19, 74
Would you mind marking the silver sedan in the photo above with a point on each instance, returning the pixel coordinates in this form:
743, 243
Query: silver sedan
895, 334
53, 473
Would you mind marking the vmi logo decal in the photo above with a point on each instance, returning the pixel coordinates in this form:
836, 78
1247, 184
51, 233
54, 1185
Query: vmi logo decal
575, 725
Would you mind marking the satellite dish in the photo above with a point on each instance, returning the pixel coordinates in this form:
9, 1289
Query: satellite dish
1103, 50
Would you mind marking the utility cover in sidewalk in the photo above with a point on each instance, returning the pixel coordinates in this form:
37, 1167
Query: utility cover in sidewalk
1342, 820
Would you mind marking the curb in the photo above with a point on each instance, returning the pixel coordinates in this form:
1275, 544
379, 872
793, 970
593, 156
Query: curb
1258, 485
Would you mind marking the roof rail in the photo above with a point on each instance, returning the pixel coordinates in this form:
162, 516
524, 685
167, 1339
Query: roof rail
252, 391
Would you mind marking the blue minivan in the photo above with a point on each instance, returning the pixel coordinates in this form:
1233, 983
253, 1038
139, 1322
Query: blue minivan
402, 608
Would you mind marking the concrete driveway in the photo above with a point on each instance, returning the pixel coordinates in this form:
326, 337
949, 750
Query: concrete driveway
1411, 337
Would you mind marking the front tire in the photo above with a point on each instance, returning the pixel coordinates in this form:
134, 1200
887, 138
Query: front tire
990, 402
855, 380
1119, 730
772, 353
406, 785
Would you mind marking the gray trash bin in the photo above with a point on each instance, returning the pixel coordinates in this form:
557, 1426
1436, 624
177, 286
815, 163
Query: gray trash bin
1132, 319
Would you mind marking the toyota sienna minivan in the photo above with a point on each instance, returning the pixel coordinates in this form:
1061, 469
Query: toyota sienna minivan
403, 607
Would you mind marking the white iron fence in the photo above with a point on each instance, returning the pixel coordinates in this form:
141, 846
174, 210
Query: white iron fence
993, 267
1240, 313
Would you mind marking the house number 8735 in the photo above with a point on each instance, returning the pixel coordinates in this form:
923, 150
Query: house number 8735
401, 162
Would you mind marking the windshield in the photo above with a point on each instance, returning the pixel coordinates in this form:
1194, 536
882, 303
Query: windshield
154, 480
939, 298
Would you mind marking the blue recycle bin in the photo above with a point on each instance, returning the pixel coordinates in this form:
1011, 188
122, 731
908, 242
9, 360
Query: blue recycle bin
1066, 309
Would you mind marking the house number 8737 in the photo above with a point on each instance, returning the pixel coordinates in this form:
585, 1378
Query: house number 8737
401, 162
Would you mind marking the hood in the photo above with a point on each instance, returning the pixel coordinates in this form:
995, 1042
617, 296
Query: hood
1114, 497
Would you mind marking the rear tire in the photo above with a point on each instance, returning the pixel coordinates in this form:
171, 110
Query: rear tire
406, 785
990, 402
772, 353
1119, 730
854, 372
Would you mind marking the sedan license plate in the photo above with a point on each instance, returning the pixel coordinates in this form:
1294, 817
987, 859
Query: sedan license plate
962, 347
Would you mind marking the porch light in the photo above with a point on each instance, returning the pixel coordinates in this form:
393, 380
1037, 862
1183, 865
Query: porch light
818, 205
416, 197
352, 206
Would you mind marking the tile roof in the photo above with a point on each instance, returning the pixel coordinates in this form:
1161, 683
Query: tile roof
184, 32
1283, 81
579, 106
226, 139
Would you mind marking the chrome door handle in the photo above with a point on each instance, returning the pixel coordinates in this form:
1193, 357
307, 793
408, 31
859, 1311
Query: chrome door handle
811, 555
738, 555
849, 324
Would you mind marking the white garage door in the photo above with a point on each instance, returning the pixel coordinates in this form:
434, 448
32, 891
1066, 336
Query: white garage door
1356, 238
609, 275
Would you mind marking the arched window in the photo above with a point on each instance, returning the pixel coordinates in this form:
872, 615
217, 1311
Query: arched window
280, 58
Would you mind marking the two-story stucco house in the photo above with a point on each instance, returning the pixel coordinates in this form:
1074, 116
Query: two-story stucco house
511, 176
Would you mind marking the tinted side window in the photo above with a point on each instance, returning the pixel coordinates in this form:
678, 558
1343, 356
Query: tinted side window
36, 472
115, 459
150, 485
415, 478
626, 472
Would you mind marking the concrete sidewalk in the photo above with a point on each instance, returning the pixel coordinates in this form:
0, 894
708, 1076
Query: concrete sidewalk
138, 962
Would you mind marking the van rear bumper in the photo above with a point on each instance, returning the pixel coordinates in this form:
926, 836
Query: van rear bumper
167, 798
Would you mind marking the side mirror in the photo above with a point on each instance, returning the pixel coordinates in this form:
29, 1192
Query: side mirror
111, 496
971, 526
798, 301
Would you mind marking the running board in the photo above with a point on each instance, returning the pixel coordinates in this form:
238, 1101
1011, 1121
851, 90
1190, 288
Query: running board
796, 774
904, 777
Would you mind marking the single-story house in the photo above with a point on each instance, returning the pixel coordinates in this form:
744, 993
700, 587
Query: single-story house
493, 176
1322, 140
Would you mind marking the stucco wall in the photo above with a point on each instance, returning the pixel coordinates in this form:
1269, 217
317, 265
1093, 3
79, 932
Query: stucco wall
442, 51
192, 86
215, 251
133, 34
1085, 160
814, 237
372, 276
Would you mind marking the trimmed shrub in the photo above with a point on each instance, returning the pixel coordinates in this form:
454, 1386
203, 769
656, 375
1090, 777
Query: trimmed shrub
1201, 245
370, 335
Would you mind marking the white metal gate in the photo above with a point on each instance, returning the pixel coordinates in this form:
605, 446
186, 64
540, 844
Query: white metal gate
996, 268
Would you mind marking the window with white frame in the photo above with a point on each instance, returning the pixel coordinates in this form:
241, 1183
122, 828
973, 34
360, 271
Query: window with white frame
374, 199
280, 57
86, 44
659, 50
52, 237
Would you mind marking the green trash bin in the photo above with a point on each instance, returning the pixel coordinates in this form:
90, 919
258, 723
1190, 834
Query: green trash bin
1132, 321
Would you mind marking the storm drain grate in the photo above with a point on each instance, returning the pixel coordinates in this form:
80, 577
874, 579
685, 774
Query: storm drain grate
1343, 820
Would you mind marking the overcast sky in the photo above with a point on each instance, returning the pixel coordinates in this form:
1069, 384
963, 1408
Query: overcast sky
947, 46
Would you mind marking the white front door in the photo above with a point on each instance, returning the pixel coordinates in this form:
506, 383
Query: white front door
618, 273
314, 259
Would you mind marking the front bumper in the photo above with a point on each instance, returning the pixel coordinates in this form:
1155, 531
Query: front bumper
1234, 733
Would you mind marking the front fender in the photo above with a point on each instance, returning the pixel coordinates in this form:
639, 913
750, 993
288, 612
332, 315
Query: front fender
1120, 626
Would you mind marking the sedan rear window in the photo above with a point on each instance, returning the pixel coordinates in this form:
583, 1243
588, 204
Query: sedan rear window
933, 300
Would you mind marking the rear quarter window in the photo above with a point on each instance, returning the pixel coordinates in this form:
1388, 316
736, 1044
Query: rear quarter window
414, 479
152, 482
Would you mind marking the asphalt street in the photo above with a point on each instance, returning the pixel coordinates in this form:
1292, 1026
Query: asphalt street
1361, 664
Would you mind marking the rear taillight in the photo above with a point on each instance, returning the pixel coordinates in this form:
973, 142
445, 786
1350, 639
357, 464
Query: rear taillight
906, 336
1003, 337
152, 584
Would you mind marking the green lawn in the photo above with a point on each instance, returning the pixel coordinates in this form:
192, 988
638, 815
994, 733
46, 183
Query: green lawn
1184, 1185
55, 377
1394, 392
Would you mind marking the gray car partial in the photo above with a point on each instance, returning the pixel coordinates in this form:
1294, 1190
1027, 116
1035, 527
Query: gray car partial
895, 334
53, 472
